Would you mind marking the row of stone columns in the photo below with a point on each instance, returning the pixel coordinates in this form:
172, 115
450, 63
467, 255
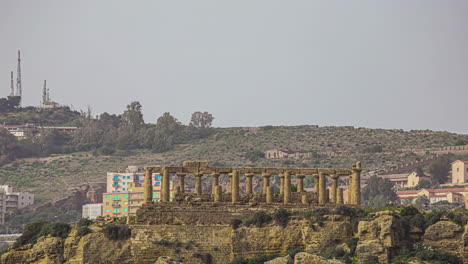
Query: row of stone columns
335, 194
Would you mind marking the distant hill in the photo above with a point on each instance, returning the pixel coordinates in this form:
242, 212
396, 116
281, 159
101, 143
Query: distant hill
49, 177
59, 116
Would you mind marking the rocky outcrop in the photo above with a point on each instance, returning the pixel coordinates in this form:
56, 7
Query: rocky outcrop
381, 236
306, 258
281, 260
90, 249
445, 235
318, 238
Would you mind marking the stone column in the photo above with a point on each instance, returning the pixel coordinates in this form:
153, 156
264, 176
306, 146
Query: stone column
248, 183
181, 181
218, 194
281, 176
198, 178
215, 181
266, 182
339, 198
356, 188
300, 183
334, 186
316, 183
269, 195
148, 182
235, 186
304, 198
322, 188
165, 186
287, 187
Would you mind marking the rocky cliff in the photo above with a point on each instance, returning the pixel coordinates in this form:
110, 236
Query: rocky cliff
380, 235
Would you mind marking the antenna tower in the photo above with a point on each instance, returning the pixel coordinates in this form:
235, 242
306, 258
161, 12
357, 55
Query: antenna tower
12, 85
19, 89
44, 94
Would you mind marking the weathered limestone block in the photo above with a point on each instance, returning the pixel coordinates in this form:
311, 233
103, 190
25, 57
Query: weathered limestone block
280, 260
317, 239
444, 235
18, 255
306, 258
272, 239
96, 248
382, 236
47, 250
152, 242
167, 260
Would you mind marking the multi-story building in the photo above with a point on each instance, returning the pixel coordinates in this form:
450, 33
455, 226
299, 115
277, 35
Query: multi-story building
459, 172
119, 181
92, 211
125, 192
15, 200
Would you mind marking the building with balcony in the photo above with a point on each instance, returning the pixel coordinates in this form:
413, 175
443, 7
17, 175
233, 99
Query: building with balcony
15, 200
118, 204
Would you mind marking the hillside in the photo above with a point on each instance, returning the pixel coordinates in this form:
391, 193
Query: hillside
49, 177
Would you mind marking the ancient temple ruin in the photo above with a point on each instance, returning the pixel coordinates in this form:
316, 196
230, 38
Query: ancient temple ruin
242, 202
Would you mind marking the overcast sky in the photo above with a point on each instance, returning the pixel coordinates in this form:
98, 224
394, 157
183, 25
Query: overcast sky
380, 64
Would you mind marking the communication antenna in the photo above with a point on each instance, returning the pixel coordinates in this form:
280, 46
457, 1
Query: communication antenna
19, 89
44, 94
12, 85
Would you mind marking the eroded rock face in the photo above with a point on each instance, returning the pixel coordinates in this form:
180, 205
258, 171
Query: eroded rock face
317, 239
47, 248
281, 260
382, 236
445, 235
306, 258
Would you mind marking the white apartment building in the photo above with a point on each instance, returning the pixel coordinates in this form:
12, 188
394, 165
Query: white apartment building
92, 211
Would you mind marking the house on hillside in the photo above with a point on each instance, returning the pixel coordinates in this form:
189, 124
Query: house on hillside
278, 153
459, 172
406, 180
451, 195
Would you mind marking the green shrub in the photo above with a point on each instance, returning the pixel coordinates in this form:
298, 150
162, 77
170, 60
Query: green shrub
259, 219
116, 232
31, 233
281, 217
83, 231
38, 228
236, 223
56, 230
84, 222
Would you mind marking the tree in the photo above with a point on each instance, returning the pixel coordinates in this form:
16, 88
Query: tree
200, 124
254, 155
133, 117
422, 202
165, 132
439, 170
423, 184
201, 120
8, 146
378, 186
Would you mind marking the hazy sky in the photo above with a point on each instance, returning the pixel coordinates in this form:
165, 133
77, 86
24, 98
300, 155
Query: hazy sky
387, 64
